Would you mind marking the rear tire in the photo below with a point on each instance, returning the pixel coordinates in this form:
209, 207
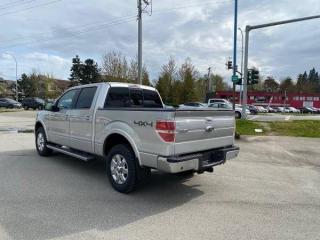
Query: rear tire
41, 143
122, 168
238, 115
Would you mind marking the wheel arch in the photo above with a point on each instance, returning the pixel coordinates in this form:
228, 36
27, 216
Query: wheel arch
38, 125
116, 138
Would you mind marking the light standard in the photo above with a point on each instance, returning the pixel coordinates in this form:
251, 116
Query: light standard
241, 64
14, 58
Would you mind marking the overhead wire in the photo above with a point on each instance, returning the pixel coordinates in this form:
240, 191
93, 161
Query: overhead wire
96, 27
31, 7
76, 33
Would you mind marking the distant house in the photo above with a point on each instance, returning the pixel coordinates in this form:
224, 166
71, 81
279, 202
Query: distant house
47, 88
7, 88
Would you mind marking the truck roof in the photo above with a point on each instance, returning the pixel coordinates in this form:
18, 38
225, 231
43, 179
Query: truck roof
117, 84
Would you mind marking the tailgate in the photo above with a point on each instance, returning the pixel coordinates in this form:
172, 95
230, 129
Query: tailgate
198, 130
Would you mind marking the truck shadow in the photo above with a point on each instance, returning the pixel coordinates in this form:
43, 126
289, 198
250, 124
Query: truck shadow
49, 197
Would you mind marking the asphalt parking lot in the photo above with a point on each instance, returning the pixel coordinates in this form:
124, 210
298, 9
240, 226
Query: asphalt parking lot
271, 191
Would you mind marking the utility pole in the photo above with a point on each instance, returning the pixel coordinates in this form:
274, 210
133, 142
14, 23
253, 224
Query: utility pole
141, 9
16, 62
235, 26
209, 80
246, 51
241, 70
140, 41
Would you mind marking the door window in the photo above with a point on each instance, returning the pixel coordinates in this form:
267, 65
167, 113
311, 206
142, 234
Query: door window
67, 100
86, 97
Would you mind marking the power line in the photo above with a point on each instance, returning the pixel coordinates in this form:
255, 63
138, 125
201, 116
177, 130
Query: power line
10, 3
28, 8
191, 5
76, 33
83, 26
16, 3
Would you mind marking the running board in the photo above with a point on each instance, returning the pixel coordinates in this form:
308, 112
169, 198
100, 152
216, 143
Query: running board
77, 154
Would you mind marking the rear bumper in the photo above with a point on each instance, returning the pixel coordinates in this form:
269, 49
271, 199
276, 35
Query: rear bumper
197, 161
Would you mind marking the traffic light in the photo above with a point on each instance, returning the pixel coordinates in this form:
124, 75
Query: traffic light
229, 65
239, 82
253, 76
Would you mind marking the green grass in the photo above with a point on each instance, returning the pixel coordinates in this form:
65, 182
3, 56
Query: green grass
299, 128
245, 127
303, 128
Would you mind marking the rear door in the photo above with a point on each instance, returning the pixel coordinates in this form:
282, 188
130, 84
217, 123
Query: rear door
199, 130
81, 120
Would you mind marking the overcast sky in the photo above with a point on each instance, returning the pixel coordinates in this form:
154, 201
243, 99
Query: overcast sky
44, 35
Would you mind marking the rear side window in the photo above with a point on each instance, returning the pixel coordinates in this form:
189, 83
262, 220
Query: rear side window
151, 99
136, 98
86, 97
118, 97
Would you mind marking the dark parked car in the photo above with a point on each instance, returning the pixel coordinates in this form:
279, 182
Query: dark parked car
253, 109
33, 102
9, 103
308, 110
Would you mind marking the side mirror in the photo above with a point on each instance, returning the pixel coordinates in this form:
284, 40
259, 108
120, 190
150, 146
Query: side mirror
51, 107
55, 108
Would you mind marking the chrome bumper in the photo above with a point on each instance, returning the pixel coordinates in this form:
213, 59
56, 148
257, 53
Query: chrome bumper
198, 161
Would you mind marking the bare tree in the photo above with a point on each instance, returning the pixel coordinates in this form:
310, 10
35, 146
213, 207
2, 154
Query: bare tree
115, 67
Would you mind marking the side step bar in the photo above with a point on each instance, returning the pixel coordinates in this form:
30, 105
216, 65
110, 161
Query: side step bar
73, 153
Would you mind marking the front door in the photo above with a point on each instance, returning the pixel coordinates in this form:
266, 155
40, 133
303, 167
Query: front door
81, 120
58, 122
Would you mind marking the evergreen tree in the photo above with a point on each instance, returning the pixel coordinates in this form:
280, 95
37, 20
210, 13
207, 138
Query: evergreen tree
90, 72
271, 85
76, 71
84, 73
27, 85
287, 85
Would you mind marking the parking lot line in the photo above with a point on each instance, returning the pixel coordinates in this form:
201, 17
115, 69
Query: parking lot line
287, 118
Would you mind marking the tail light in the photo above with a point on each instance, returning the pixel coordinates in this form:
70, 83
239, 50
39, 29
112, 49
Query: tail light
166, 130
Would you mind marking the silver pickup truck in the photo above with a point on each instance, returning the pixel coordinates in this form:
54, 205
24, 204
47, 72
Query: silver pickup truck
128, 125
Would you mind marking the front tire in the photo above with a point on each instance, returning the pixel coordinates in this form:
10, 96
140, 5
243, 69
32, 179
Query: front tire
238, 115
122, 168
41, 143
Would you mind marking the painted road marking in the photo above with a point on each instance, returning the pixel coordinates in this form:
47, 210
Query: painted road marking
287, 118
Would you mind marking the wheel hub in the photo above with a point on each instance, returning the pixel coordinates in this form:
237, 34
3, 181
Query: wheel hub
119, 169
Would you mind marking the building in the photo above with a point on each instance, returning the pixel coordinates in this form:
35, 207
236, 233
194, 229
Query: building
297, 100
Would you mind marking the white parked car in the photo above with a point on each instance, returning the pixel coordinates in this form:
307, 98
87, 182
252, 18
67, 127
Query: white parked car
292, 110
262, 109
238, 108
193, 105
282, 110
218, 100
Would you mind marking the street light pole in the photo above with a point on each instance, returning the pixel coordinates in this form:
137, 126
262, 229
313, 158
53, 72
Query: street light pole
235, 50
241, 93
245, 70
14, 58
